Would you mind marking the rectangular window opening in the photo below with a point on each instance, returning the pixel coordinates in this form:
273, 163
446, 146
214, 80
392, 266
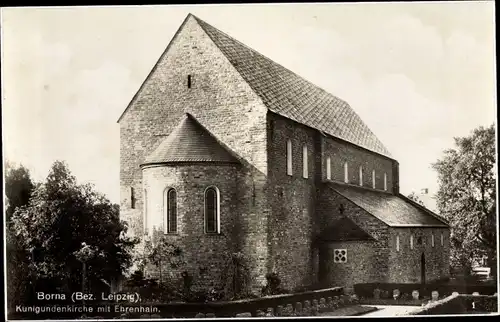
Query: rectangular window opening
305, 170
132, 198
373, 180
189, 81
328, 169
289, 169
397, 243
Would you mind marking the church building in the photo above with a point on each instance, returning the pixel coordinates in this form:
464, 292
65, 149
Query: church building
223, 150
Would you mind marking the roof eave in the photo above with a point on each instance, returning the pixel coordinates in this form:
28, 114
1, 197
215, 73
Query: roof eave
325, 134
428, 211
185, 162
417, 226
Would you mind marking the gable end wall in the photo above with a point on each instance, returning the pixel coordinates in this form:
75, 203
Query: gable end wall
225, 105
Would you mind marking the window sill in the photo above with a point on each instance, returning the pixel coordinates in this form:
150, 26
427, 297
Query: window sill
213, 234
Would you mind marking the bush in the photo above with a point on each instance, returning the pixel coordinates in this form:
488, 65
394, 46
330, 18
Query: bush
273, 285
150, 290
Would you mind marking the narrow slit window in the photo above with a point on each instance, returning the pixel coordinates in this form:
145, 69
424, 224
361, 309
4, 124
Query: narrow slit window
411, 241
189, 81
346, 173
170, 210
442, 240
145, 211
373, 180
305, 172
132, 198
432, 240
328, 169
397, 243
289, 168
212, 210
385, 181
360, 176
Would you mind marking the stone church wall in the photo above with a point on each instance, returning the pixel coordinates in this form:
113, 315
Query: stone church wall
205, 255
341, 152
378, 251
358, 267
223, 103
293, 201
405, 264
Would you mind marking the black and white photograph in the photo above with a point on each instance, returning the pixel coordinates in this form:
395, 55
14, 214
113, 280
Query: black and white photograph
272, 160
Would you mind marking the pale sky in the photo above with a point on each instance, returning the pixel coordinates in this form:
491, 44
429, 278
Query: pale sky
418, 74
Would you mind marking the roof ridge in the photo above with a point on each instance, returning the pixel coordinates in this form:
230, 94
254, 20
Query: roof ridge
267, 58
375, 145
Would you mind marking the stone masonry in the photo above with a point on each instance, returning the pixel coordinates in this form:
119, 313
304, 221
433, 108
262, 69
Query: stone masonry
271, 217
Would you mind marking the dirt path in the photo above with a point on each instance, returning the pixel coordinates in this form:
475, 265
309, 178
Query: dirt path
391, 310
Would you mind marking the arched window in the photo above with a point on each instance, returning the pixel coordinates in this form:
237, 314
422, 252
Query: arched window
411, 241
385, 181
432, 239
145, 219
397, 243
289, 168
212, 210
328, 169
373, 179
346, 173
305, 168
360, 175
170, 210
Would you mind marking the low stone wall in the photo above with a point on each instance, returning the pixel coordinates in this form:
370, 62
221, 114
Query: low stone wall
301, 304
459, 304
399, 302
367, 290
309, 303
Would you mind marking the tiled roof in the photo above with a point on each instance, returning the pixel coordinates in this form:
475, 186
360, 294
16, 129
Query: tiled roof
289, 95
394, 210
344, 229
190, 142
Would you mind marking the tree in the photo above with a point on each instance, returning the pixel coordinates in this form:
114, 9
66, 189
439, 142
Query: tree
162, 253
235, 276
467, 196
413, 196
18, 189
60, 217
